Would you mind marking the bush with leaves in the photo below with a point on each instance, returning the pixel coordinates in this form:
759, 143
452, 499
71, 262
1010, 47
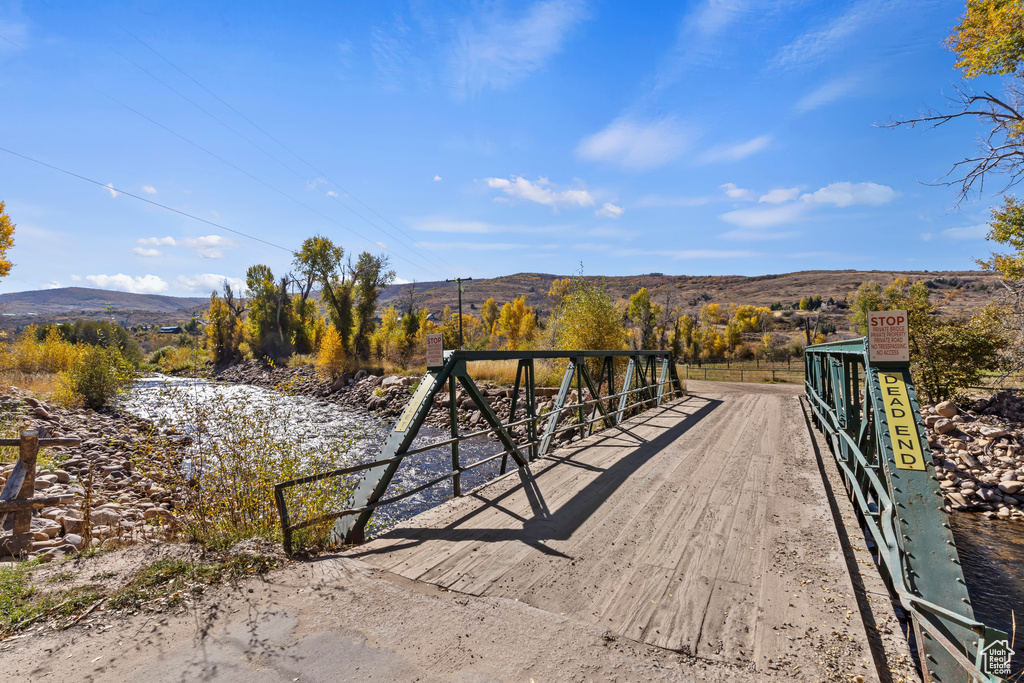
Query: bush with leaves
331, 359
99, 375
945, 356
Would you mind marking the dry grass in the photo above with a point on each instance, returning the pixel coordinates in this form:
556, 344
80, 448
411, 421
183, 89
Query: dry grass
548, 373
42, 384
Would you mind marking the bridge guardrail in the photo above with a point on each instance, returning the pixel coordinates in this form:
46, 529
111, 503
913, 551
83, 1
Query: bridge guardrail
640, 390
885, 462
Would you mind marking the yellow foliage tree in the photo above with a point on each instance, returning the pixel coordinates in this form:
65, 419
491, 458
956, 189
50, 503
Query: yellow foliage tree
6, 241
489, 312
517, 324
330, 359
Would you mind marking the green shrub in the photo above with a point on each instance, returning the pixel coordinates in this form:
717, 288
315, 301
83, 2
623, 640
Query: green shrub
159, 354
96, 377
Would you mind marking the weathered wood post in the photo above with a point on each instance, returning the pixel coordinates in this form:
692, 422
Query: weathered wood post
22, 531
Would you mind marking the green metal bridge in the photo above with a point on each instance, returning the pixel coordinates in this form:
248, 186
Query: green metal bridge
694, 521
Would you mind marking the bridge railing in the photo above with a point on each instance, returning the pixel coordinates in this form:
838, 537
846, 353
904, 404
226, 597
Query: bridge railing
871, 418
648, 379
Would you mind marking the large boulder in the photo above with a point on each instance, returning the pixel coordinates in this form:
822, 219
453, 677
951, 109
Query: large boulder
946, 409
945, 426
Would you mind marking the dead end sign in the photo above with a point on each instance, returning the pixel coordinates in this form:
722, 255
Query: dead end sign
888, 337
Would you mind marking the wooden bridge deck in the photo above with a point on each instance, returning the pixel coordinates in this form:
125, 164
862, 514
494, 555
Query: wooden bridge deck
701, 527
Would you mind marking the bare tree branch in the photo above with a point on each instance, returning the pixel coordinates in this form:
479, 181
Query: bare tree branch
1001, 152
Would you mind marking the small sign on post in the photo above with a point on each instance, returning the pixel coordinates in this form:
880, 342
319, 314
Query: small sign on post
888, 337
435, 351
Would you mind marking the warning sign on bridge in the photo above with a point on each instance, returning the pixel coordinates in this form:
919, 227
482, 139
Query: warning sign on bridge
435, 350
899, 415
888, 337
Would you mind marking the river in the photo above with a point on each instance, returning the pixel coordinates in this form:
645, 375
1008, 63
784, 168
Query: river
192, 407
991, 551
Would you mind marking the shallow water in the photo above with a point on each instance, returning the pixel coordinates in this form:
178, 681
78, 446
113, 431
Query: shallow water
318, 426
992, 555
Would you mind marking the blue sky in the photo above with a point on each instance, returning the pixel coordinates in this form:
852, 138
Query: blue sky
478, 139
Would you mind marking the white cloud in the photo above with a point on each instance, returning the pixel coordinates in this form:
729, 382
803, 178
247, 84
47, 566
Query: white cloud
636, 146
828, 93
764, 217
970, 232
736, 152
780, 195
52, 284
145, 252
737, 193
927, 236
609, 210
111, 190
208, 282
697, 38
498, 52
813, 45
149, 189
206, 246
539, 192
332, 193
437, 178
142, 284
849, 194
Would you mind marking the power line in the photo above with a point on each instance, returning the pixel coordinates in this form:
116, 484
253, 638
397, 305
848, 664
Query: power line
285, 147
259, 180
12, 42
110, 187
425, 263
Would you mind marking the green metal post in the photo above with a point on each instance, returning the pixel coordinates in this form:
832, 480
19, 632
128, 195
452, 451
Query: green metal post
626, 386
453, 420
563, 391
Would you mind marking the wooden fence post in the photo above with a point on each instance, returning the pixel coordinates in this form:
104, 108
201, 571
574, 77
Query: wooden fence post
22, 532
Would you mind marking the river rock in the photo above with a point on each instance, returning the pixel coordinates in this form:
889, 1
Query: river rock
946, 409
104, 517
74, 540
1011, 486
944, 426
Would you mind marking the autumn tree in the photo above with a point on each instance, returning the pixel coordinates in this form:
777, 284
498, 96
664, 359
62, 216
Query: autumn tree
946, 356
269, 319
319, 262
489, 312
587, 319
369, 276
6, 241
517, 323
1007, 229
224, 330
643, 313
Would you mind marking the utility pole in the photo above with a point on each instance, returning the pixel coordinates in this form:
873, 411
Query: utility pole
460, 280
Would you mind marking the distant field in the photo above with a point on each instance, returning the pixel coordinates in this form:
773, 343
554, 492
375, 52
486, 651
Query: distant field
746, 371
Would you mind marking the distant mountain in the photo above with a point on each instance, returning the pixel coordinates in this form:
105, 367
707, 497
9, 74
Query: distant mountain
956, 292
76, 300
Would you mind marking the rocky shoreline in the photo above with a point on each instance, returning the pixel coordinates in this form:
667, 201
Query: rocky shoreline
979, 453
114, 502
